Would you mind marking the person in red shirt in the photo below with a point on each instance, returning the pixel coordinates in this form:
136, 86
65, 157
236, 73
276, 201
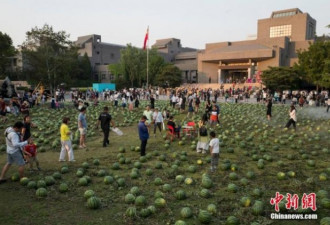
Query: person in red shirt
30, 153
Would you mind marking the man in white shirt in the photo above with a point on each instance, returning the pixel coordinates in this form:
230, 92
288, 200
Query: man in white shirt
214, 150
14, 152
148, 113
158, 120
173, 100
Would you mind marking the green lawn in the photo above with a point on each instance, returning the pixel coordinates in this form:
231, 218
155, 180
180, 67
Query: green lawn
248, 140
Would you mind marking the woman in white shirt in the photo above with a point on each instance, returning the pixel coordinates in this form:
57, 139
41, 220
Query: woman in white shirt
158, 120
293, 117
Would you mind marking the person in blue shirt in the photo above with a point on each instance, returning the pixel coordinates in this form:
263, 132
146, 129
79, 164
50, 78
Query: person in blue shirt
144, 134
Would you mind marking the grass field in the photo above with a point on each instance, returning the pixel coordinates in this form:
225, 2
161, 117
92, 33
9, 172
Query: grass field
249, 144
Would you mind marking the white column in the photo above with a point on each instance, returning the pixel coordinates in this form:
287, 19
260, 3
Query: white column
219, 76
249, 73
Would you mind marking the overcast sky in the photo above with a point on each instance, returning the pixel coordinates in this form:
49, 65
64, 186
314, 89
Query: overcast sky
195, 22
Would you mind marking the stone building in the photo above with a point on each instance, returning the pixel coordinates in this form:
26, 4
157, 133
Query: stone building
100, 54
278, 39
182, 57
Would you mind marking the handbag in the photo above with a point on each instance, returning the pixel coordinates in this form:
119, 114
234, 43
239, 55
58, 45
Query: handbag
117, 131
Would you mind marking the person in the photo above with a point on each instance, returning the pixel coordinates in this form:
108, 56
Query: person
269, 109
143, 134
202, 144
152, 102
123, 102
105, 119
130, 103
213, 117
197, 102
30, 152
190, 108
172, 124
14, 153
3, 111
148, 113
26, 131
214, 150
293, 117
301, 101
137, 103
158, 120
208, 107
82, 126
66, 141
328, 103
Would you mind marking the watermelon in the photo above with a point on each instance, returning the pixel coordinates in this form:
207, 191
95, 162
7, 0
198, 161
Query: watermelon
63, 188
41, 193
101, 173
180, 195
232, 188
88, 194
41, 183
205, 193
149, 172
258, 208
83, 181
96, 162
108, 180
93, 202
57, 175
152, 209
140, 200
159, 194
129, 198
280, 175
115, 166
85, 165
15, 177
232, 220
80, 173
158, 165
325, 221
322, 194
145, 212
204, 217
186, 212
135, 190
212, 208
180, 222
131, 212
179, 178
167, 187
160, 203
24, 181
245, 201
325, 202
158, 181
233, 176
188, 181
64, 169
207, 182
121, 182
32, 185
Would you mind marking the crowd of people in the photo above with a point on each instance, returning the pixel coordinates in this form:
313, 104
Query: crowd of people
22, 150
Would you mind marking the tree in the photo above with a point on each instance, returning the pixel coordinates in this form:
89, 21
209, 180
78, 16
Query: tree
170, 76
52, 58
132, 68
6, 50
281, 78
314, 62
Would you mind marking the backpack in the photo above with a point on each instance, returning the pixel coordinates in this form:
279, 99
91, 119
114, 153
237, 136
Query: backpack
203, 131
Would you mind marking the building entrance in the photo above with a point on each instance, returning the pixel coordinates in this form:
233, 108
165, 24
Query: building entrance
238, 76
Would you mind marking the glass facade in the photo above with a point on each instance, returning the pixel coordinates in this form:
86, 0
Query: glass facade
280, 31
284, 14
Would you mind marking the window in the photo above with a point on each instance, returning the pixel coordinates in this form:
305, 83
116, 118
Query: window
310, 30
98, 52
280, 31
112, 55
103, 76
284, 14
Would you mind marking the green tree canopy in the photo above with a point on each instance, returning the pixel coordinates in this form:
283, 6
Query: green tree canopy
170, 76
132, 68
53, 59
281, 78
314, 63
6, 50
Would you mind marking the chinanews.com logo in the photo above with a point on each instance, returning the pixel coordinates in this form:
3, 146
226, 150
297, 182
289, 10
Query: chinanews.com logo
308, 202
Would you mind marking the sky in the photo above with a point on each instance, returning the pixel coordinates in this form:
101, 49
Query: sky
195, 22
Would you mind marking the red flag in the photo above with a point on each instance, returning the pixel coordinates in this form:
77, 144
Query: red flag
146, 39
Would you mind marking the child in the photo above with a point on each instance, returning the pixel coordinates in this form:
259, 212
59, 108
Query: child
30, 152
214, 117
214, 150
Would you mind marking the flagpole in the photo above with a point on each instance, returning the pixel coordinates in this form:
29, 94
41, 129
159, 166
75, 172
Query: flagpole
148, 61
